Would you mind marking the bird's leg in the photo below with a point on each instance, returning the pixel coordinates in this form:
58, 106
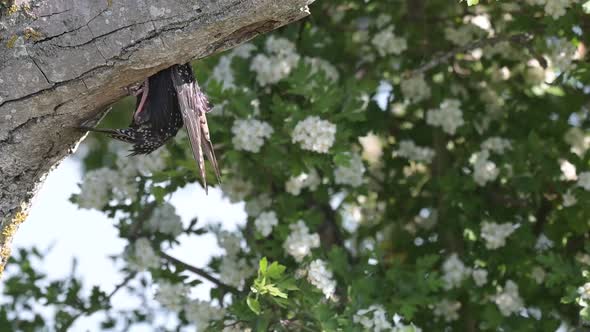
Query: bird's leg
144, 90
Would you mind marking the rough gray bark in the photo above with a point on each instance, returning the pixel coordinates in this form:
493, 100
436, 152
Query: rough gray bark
63, 61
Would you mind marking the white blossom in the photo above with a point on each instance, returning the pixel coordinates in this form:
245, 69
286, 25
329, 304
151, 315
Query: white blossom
484, 170
495, 234
351, 216
426, 218
372, 147
258, 204
243, 51
300, 242
508, 300
448, 310
463, 34
561, 54
449, 116
278, 64
144, 165
234, 326
314, 134
584, 180
578, 140
584, 291
538, 274
222, 72
321, 277
96, 187
373, 319
535, 313
165, 220
415, 88
382, 20
172, 296
309, 180
386, 42
265, 222
142, 256
250, 134
480, 277
408, 149
568, 170
231, 242
496, 144
201, 313
553, 8
318, 64
454, 272
351, 174
236, 189
569, 199
583, 258
234, 271
543, 243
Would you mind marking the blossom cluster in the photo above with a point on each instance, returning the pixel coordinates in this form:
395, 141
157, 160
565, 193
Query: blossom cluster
309, 180
320, 276
300, 241
314, 134
165, 220
449, 116
141, 256
495, 234
508, 300
454, 272
386, 42
281, 59
101, 185
415, 88
351, 174
265, 222
319, 64
233, 270
249, 134
374, 318
223, 72
409, 149
496, 144
553, 8
484, 170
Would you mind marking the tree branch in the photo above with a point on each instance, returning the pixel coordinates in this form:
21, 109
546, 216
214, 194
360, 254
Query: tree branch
445, 57
200, 272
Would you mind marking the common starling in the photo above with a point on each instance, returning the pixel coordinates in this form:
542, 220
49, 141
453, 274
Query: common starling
165, 101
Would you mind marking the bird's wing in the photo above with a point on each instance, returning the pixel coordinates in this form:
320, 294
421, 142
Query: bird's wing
185, 89
203, 108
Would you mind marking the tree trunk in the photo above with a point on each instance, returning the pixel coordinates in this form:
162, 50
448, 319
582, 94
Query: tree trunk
63, 61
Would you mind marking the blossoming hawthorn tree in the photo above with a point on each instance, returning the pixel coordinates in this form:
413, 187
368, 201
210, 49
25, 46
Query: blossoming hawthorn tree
412, 166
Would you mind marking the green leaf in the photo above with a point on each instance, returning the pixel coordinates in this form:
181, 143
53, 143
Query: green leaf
159, 193
253, 304
586, 7
275, 270
274, 291
263, 266
288, 284
472, 2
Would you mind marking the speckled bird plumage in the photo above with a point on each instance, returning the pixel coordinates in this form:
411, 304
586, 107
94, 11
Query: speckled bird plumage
166, 101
